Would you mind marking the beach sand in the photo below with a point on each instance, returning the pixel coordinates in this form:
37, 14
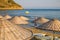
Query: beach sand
37, 31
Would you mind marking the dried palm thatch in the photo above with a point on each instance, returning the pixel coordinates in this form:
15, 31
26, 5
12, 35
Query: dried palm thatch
7, 17
24, 18
9, 31
17, 20
53, 24
41, 20
1, 16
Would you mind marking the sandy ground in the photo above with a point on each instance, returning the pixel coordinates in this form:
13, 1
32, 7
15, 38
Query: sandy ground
37, 31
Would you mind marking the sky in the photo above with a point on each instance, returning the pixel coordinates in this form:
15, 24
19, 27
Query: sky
39, 4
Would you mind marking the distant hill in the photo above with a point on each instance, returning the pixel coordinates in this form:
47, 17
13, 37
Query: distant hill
9, 4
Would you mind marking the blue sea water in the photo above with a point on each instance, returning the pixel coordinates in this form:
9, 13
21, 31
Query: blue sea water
49, 13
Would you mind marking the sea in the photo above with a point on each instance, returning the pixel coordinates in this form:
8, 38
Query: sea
48, 13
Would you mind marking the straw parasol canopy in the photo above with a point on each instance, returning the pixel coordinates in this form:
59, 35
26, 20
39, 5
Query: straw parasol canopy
1, 16
17, 20
24, 18
53, 24
9, 31
41, 20
7, 17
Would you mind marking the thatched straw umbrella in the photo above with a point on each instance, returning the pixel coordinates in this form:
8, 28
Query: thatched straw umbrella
54, 24
9, 31
17, 20
7, 17
41, 20
1, 16
24, 18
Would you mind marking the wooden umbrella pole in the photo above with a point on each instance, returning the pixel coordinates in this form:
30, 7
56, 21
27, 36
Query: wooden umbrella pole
53, 35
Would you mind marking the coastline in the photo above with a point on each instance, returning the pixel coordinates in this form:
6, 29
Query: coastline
11, 8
